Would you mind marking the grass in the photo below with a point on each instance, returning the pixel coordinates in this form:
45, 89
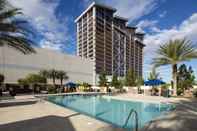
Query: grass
6, 97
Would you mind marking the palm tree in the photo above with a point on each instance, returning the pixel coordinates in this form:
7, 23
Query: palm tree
62, 75
153, 75
1, 82
174, 52
44, 73
53, 74
14, 32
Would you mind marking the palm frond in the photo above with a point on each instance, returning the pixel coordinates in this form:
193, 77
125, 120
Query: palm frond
9, 14
175, 51
2, 4
20, 43
14, 32
18, 26
160, 61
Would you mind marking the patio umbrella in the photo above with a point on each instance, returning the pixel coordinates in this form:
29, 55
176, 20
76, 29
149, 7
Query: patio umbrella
71, 85
154, 82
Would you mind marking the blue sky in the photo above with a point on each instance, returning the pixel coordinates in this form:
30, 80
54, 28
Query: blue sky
161, 20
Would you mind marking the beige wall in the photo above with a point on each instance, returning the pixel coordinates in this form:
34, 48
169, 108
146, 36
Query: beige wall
15, 65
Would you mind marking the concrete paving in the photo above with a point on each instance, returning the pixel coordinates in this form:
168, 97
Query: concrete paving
42, 115
45, 116
183, 118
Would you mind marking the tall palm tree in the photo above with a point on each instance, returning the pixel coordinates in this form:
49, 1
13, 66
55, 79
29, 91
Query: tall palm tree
44, 73
14, 32
154, 74
62, 75
174, 52
53, 74
1, 82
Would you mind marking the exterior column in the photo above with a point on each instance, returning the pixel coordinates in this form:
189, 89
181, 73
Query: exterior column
125, 54
112, 49
94, 47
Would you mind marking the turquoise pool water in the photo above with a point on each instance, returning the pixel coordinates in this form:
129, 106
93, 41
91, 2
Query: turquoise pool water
111, 110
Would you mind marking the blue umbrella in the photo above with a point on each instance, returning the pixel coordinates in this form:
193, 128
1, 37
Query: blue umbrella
154, 82
71, 85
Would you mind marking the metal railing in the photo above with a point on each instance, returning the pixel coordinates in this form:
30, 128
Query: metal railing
136, 119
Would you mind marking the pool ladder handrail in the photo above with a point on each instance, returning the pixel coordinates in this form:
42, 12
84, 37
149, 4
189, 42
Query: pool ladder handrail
136, 118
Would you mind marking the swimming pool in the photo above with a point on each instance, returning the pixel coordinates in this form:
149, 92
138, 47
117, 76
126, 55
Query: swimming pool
110, 110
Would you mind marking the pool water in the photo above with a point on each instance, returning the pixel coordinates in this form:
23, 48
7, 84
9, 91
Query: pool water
110, 110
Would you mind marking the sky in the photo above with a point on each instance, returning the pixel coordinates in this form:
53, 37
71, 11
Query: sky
160, 20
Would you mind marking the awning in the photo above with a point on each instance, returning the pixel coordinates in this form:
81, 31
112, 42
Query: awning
70, 85
154, 82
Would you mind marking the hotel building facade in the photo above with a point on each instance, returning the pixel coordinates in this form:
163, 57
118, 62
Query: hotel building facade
106, 39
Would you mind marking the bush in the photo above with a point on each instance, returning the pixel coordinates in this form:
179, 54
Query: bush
52, 89
180, 91
1, 81
195, 92
86, 86
102, 79
2, 78
32, 79
12, 92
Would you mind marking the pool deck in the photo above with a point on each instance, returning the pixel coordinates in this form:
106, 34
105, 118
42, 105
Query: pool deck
183, 118
40, 115
45, 116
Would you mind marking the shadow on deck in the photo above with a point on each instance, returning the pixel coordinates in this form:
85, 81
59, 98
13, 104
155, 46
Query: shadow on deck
47, 123
184, 118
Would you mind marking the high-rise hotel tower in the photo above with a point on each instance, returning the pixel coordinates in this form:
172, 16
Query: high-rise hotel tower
105, 38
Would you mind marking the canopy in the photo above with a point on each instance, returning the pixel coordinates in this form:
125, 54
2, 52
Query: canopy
71, 85
154, 82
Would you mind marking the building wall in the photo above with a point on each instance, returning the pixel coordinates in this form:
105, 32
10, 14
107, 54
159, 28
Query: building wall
15, 65
111, 42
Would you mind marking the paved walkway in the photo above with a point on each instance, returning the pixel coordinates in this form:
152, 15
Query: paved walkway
184, 118
45, 116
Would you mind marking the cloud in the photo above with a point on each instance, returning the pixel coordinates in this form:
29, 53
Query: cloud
187, 29
146, 24
163, 14
41, 13
131, 9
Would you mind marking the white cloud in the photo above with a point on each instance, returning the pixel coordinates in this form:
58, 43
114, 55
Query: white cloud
163, 14
41, 14
146, 24
131, 9
187, 29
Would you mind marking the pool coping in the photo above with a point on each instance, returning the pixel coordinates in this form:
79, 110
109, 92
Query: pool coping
111, 97
75, 93
139, 100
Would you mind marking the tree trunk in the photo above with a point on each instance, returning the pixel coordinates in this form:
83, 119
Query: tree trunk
53, 80
61, 81
174, 74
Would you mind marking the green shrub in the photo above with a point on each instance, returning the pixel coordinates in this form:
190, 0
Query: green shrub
180, 91
86, 86
32, 79
1, 81
195, 92
2, 78
102, 79
130, 78
52, 89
